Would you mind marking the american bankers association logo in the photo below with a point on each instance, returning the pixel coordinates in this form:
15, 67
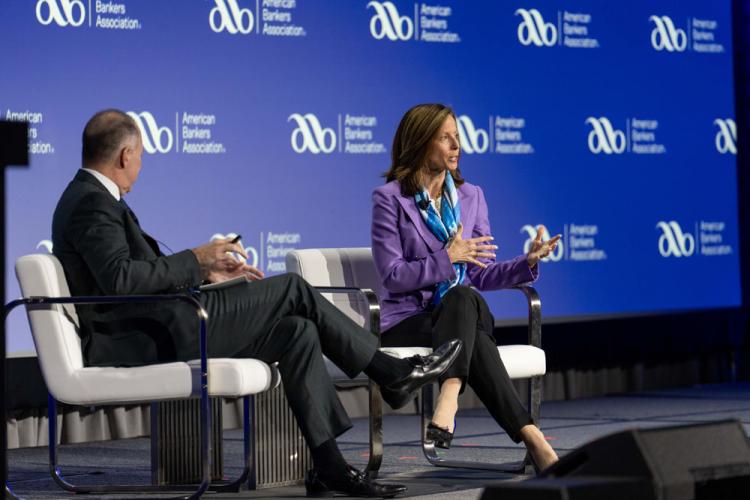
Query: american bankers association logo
310, 135
531, 232
673, 241
45, 244
228, 16
534, 30
726, 137
388, 23
62, 12
252, 252
665, 36
604, 138
472, 139
156, 139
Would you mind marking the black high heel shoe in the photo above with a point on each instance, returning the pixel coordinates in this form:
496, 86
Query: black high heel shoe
440, 437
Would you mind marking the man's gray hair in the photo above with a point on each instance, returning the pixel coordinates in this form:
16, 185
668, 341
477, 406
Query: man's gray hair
105, 135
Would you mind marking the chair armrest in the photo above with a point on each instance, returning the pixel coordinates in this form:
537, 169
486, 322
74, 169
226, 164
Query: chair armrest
370, 296
120, 299
535, 314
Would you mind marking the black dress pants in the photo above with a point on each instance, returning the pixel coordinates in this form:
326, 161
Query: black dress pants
286, 320
464, 314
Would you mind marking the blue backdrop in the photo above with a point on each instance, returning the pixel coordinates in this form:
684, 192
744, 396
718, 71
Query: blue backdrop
611, 123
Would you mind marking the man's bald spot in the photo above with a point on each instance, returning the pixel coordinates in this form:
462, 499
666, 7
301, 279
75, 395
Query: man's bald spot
104, 136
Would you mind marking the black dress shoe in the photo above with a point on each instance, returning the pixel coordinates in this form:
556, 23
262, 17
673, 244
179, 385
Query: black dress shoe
440, 437
354, 484
396, 399
426, 369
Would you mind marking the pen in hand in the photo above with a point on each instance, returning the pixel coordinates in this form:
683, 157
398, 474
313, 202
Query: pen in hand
236, 255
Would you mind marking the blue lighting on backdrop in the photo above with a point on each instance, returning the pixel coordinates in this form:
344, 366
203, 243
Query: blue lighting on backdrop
610, 122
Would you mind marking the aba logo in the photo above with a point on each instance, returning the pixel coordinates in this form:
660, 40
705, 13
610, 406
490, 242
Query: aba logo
156, 139
62, 12
604, 138
45, 244
310, 135
530, 231
666, 37
534, 30
388, 23
726, 137
252, 253
227, 15
673, 241
472, 139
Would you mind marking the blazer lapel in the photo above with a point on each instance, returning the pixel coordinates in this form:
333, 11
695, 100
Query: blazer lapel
468, 210
410, 207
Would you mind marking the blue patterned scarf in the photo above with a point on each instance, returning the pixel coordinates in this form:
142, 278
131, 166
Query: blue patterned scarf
444, 228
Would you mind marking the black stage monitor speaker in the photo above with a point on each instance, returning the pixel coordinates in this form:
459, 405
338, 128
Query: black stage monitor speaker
708, 461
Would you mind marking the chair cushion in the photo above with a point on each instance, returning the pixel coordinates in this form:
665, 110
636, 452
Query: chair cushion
230, 377
111, 385
521, 361
338, 267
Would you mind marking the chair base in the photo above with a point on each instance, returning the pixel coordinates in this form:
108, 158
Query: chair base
10, 494
519, 467
524, 466
195, 490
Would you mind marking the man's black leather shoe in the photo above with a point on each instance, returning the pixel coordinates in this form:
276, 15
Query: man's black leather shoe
426, 370
353, 484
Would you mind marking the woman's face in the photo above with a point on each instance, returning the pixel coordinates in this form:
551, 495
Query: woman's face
444, 148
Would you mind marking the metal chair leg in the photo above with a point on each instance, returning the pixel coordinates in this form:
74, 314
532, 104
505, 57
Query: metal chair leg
57, 476
376, 431
9, 493
249, 424
248, 471
428, 448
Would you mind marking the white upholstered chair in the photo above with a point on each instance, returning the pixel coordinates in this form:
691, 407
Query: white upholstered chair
348, 278
54, 325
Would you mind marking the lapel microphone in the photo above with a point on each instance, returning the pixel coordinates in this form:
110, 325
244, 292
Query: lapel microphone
423, 204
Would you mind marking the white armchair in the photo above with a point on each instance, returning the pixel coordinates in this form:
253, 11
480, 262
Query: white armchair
348, 278
54, 324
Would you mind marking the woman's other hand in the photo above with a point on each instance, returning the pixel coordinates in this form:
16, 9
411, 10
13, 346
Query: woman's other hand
461, 250
540, 249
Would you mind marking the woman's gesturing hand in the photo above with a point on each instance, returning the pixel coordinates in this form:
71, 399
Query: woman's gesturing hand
461, 250
540, 249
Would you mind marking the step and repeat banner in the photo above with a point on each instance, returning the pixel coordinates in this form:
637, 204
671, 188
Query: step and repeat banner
610, 122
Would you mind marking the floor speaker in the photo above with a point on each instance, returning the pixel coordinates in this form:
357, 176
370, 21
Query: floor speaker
708, 461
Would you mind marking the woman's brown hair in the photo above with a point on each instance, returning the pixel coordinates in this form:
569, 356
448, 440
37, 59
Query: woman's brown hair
412, 143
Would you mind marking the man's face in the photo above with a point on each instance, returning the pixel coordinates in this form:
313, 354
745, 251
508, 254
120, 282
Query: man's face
131, 166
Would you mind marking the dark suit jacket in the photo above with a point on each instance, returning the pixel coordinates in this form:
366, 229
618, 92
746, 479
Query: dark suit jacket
104, 252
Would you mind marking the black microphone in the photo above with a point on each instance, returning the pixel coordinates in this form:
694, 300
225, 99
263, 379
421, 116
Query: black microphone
423, 204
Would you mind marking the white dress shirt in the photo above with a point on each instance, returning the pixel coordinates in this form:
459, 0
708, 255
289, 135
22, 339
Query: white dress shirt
106, 182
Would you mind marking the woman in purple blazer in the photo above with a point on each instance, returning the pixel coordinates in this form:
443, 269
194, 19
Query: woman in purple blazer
430, 240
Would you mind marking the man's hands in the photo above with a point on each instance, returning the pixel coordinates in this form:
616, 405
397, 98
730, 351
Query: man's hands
540, 249
218, 264
460, 250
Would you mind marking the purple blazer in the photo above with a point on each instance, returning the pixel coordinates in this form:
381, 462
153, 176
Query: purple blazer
411, 260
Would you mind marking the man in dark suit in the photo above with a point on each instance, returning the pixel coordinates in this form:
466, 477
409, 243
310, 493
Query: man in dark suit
104, 251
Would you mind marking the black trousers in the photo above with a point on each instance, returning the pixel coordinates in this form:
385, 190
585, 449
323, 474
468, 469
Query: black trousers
286, 320
464, 314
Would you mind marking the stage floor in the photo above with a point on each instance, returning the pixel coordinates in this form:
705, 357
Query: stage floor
568, 424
